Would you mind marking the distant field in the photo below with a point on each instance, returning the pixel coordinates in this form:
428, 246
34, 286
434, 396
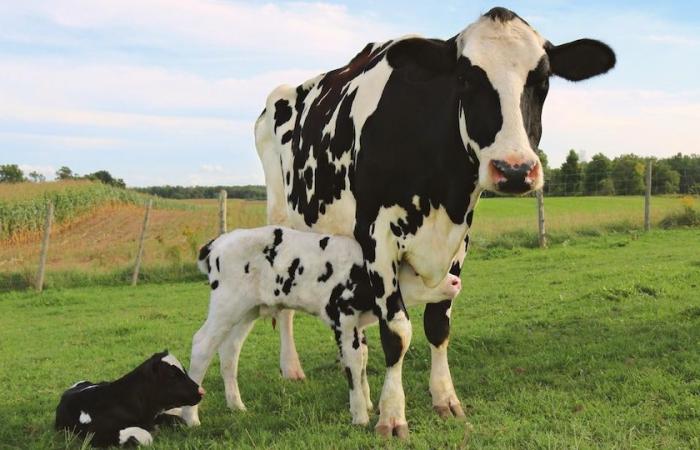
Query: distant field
590, 345
101, 242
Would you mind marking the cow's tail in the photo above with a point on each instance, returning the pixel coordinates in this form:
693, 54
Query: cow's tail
203, 260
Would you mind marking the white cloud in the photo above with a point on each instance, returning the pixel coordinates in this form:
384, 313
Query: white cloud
674, 39
48, 171
79, 142
616, 121
300, 27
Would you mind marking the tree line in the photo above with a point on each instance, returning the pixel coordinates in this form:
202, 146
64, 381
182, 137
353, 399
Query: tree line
12, 173
622, 175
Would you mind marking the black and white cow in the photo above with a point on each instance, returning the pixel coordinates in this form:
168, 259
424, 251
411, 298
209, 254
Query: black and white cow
262, 270
395, 148
126, 410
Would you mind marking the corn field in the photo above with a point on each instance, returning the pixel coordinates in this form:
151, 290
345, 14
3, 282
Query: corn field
23, 206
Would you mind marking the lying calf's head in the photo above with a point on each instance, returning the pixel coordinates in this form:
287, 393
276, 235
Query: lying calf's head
414, 290
171, 385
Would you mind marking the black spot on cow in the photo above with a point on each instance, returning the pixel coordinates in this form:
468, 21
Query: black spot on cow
436, 323
246, 268
283, 112
214, 284
218, 266
286, 137
323, 242
291, 275
532, 100
394, 304
277, 292
391, 344
348, 374
502, 15
327, 274
356, 339
270, 251
470, 217
204, 254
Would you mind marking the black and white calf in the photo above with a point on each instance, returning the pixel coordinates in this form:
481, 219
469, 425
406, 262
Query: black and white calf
263, 270
126, 410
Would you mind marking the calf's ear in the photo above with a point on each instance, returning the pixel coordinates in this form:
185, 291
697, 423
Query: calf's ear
581, 59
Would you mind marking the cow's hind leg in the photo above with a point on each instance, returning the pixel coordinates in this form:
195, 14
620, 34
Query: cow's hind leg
365, 383
229, 352
289, 358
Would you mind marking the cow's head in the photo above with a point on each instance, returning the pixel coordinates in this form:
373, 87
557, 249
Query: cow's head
500, 68
168, 383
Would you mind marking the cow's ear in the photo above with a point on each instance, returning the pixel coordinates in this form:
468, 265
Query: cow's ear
431, 56
581, 59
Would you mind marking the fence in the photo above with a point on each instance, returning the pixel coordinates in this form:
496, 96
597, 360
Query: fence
159, 232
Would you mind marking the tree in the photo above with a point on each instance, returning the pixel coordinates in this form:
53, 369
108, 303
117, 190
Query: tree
596, 175
36, 177
571, 174
106, 178
11, 173
665, 180
628, 174
65, 173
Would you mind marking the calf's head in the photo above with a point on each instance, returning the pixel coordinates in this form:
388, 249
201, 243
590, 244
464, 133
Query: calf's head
498, 72
414, 290
170, 384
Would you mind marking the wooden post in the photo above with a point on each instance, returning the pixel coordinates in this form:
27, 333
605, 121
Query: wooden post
540, 218
142, 239
44, 247
222, 211
647, 200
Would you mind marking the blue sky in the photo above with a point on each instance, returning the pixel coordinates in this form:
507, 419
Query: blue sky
166, 91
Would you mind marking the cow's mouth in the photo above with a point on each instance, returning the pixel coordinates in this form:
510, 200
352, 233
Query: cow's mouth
518, 178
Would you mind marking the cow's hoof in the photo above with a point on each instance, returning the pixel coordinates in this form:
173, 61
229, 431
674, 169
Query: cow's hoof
296, 374
454, 409
398, 430
370, 406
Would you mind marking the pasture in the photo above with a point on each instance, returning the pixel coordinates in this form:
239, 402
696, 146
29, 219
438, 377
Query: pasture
592, 344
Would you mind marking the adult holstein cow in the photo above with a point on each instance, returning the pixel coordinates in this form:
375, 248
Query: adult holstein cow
395, 148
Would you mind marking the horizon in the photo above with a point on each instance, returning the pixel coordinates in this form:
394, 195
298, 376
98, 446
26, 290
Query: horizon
166, 92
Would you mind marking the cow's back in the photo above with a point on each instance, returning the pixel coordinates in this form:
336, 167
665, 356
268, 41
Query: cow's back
308, 140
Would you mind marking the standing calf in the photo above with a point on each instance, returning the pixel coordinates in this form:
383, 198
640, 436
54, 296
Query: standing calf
124, 411
264, 270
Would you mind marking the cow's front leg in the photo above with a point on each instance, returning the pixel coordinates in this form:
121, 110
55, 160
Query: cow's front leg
395, 332
436, 322
289, 358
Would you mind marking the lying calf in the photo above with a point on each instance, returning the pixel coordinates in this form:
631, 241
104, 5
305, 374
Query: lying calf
125, 410
263, 270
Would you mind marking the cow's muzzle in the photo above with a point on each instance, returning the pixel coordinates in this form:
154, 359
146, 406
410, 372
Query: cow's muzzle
517, 178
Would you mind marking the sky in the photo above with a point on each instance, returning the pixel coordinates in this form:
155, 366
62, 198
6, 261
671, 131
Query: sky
167, 91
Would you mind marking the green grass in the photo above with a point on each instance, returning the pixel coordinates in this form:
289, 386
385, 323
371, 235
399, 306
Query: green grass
593, 344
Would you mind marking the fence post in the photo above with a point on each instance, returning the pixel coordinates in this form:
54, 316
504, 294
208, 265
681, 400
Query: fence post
540, 218
222, 211
44, 247
139, 253
647, 200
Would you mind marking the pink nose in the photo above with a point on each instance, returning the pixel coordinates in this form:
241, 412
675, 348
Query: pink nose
201, 391
515, 177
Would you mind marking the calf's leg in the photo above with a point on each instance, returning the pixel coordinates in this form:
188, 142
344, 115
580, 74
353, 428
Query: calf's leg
352, 358
229, 352
365, 383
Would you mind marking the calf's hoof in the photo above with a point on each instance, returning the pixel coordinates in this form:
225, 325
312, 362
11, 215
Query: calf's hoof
388, 430
190, 417
447, 411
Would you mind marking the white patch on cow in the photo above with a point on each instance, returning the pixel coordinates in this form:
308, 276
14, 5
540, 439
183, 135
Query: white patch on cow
507, 52
84, 418
172, 360
142, 436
